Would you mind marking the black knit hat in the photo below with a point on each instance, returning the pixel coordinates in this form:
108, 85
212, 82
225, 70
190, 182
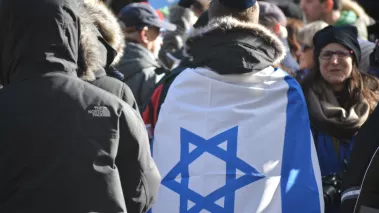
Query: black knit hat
238, 4
344, 35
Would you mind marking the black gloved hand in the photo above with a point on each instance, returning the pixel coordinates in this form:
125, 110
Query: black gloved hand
186, 3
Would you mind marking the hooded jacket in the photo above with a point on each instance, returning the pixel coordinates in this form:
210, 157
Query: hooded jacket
368, 199
66, 145
226, 47
101, 47
141, 72
232, 54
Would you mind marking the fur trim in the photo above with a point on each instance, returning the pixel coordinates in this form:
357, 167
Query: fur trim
108, 25
228, 23
96, 17
88, 47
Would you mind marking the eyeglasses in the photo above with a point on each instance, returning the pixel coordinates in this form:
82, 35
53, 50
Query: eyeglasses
327, 55
305, 47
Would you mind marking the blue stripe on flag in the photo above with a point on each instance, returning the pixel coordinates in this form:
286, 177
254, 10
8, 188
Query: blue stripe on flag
152, 155
299, 188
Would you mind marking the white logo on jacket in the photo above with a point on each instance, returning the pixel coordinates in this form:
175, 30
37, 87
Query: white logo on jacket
100, 111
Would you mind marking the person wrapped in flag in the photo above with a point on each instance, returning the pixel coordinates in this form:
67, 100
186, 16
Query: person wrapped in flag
233, 134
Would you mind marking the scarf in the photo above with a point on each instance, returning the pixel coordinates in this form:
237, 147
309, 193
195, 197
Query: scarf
329, 117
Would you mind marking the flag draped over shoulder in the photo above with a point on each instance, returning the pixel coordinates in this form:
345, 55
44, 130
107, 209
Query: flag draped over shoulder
236, 144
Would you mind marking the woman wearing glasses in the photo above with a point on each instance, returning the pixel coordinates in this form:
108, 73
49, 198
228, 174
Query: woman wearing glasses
340, 98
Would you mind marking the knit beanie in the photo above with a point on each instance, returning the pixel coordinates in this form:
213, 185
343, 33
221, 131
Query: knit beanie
344, 35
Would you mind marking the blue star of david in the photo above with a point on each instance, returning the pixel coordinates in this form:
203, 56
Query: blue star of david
232, 164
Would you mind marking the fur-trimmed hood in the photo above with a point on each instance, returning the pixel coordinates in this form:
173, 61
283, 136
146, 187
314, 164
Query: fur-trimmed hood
229, 46
99, 25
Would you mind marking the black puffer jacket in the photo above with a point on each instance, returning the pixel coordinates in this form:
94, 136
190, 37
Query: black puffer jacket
66, 145
100, 37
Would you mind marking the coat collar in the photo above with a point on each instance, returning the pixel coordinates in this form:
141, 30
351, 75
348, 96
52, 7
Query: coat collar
229, 46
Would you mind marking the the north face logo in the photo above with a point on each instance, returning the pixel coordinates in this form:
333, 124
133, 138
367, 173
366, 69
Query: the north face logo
100, 111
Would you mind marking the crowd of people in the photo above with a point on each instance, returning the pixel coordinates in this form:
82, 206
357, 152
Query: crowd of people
218, 106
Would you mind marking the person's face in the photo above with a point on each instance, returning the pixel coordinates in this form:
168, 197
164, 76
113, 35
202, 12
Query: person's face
155, 40
336, 64
305, 57
313, 9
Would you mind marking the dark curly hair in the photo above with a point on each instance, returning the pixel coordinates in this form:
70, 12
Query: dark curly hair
293, 27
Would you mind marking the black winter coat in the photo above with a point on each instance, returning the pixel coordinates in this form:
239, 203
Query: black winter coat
118, 88
65, 145
365, 145
368, 200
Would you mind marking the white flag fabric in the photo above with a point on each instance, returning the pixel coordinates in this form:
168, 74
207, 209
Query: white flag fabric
236, 144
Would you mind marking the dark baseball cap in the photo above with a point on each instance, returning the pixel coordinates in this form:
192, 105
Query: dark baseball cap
238, 4
140, 15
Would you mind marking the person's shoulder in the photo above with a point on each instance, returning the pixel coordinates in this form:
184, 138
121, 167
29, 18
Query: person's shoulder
114, 100
92, 93
109, 84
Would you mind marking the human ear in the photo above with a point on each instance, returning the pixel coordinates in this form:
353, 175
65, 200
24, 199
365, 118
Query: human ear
143, 34
329, 5
277, 28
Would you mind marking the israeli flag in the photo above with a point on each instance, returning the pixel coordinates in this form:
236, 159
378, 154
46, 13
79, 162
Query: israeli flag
236, 144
